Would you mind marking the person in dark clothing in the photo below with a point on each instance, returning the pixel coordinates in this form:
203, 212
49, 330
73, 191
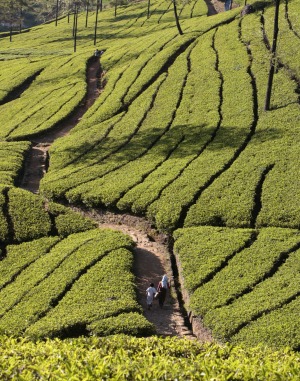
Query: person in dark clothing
162, 288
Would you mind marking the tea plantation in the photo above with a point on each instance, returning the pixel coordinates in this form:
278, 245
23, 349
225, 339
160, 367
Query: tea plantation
179, 135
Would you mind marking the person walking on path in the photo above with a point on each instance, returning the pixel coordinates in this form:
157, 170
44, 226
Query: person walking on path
228, 5
162, 288
150, 292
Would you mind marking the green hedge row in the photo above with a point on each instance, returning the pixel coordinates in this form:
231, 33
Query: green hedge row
258, 187
237, 117
20, 256
25, 216
59, 269
120, 130
141, 160
193, 9
67, 221
13, 73
39, 269
288, 43
11, 160
197, 98
4, 230
279, 328
28, 217
125, 358
245, 270
130, 323
95, 163
58, 90
238, 280
104, 291
203, 251
293, 14
271, 294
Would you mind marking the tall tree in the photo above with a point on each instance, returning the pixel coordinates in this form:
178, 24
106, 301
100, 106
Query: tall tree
87, 12
75, 25
56, 11
116, 5
273, 57
177, 18
148, 9
96, 23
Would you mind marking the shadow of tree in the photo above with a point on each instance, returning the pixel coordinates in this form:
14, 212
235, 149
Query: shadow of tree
181, 140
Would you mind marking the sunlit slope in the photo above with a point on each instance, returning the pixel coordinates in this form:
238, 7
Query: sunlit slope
244, 283
44, 59
184, 115
179, 134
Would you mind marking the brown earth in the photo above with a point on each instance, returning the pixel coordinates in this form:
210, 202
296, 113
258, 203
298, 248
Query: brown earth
152, 257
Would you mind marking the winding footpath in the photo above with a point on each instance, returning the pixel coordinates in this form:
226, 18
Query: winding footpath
36, 164
151, 261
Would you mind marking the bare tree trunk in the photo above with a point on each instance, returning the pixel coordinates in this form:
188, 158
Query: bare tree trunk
116, 3
148, 11
177, 18
10, 32
56, 13
68, 11
87, 13
273, 57
75, 27
101, 5
74, 21
96, 23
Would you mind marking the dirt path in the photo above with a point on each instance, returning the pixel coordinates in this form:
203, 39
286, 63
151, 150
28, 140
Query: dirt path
216, 6
36, 164
151, 261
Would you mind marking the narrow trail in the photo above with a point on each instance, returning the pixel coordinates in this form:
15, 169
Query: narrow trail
36, 163
151, 261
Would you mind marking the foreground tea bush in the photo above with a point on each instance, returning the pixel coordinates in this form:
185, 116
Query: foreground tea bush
62, 277
124, 358
25, 216
11, 160
70, 287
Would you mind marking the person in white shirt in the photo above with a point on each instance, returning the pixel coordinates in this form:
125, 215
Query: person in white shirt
150, 292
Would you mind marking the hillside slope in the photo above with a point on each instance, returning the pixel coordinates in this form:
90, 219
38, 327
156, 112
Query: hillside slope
180, 136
